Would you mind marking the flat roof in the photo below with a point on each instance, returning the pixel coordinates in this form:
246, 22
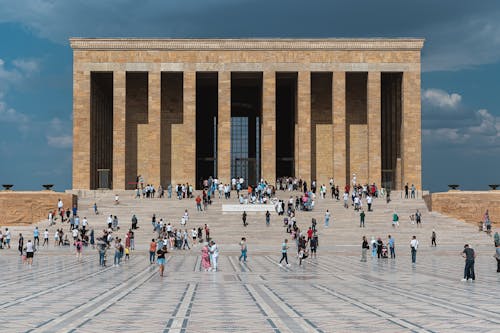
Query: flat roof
383, 44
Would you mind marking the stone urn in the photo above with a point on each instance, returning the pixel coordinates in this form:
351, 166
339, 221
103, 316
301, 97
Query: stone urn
48, 187
453, 187
7, 187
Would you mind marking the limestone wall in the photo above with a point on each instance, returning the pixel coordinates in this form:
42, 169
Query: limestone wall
466, 205
30, 207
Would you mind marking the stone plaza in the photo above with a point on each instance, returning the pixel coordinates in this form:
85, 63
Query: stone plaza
333, 293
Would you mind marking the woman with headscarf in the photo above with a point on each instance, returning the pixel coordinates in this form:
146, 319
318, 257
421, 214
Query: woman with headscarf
205, 258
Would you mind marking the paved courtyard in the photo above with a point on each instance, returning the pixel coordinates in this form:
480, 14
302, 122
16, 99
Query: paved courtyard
330, 294
333, 293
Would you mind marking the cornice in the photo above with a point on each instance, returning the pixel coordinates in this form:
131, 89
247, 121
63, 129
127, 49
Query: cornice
247, 44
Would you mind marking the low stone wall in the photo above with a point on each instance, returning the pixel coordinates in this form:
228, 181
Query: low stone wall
20, 207
468, 206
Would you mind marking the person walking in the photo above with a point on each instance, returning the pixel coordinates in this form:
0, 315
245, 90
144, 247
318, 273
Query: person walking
243, 248
205, 258
470, 256
284, 252
214, 255
418, 218
373, 244
20, 245
79, 248
433, 238
244, 218
161, 259
102, 247
395, 219
362, 219
268, 218
497, 256
36, 237
391, 247
30, 251
496, 239
414, 247
152, 251
327, 218
46, 237
364, 249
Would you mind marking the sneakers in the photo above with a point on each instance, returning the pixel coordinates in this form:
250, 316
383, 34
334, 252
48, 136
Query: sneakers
280, 265
463, 280
288, 265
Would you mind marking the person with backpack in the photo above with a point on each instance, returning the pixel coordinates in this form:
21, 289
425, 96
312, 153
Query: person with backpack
268, 218
161, 258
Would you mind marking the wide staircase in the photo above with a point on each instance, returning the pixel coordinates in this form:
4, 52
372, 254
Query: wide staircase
343, 234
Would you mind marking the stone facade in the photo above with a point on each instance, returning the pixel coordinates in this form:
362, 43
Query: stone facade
468, 206
31, 207
150, 140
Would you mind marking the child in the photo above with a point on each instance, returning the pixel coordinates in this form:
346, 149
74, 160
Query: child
127, 253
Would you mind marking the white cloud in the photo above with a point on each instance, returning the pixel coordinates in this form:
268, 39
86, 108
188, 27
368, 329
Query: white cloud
441, 99
27, 66
62, 141
9, 115
59, 134
447, 121
19, 71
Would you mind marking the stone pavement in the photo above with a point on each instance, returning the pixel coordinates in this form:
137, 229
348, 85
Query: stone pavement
333, 293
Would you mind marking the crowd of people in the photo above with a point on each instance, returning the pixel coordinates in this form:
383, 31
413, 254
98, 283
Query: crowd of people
176, 236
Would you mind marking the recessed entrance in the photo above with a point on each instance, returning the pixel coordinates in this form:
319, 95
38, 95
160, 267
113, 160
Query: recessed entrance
286, 115
101, 130
206, 126
246, 110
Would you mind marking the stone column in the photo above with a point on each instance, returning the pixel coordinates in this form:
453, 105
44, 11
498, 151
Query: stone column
224, 128
153, 135
81, 129
184, 136
411, 150
304, 127
339, 130
268, 137
374, 129
119, 130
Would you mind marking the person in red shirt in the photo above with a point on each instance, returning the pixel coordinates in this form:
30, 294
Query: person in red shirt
309, 234
198, 203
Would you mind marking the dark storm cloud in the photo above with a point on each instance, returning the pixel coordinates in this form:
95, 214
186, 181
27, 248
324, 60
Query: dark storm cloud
459, 33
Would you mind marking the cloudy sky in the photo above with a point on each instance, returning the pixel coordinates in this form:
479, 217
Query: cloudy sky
460, 79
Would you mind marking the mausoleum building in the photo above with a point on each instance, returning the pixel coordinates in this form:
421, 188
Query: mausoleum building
181, 110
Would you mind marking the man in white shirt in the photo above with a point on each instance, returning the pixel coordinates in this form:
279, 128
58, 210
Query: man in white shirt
214, 254
46, 237
75, 235
84, 223
369, 201
414, 247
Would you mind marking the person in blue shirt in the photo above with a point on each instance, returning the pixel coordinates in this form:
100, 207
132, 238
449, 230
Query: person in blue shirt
391, 247
36, 236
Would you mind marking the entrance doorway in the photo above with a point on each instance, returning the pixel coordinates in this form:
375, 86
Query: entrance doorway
286, 117
206, 126
246, 110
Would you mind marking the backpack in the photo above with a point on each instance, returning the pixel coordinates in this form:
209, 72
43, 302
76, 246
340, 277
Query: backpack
78, 246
